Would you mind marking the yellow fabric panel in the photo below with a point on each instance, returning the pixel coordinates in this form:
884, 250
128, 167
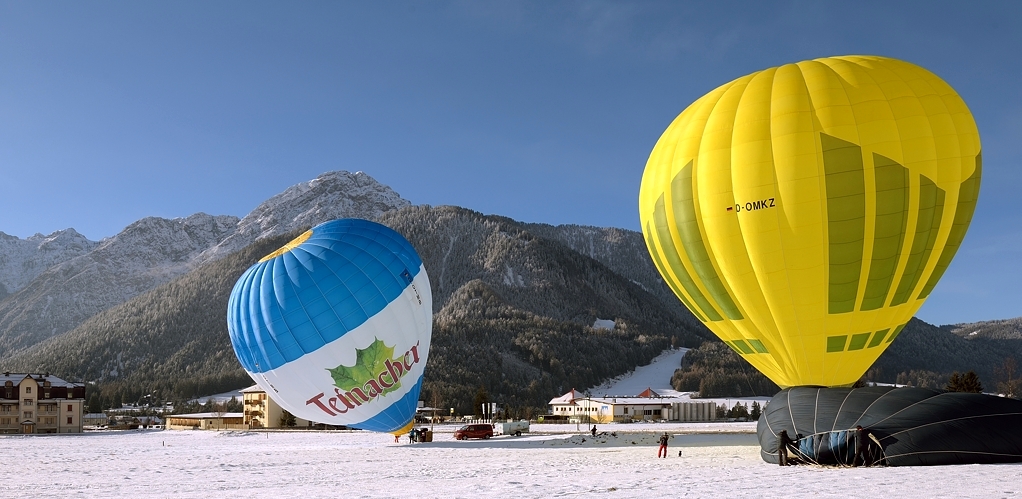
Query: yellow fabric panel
760, 200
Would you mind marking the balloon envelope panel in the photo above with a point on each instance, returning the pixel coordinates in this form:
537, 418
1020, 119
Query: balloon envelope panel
912, 426
805, 212
336, 325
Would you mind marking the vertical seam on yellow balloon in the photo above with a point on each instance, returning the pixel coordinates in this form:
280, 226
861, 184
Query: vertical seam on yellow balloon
673, 258
686, 220
846, 238
665, 271
922, 241
827, 76
767, 76
882, 62
882, 269
729, 307
727, 328
797, 69
932, 235
857, 68
964, 212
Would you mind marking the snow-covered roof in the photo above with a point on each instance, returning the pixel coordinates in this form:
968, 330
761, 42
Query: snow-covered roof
647, 397
208, 415
567, 398
253, 389
17, 378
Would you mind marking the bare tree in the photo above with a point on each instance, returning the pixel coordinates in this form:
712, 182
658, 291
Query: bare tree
1010, 386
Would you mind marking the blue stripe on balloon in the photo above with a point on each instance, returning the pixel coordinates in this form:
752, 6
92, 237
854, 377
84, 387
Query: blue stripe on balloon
295, 303
397, 415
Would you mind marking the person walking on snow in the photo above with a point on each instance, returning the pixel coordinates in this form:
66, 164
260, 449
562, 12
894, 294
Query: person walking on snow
662, 452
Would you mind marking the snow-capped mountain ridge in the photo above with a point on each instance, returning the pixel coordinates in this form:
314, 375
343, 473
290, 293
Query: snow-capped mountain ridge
22, 260
330, 196
50, 284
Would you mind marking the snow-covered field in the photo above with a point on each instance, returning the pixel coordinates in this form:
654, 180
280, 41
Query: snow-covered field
717, 460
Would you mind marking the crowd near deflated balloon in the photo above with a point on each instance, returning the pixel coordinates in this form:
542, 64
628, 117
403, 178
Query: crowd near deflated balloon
336, 325
905, 426
805, 212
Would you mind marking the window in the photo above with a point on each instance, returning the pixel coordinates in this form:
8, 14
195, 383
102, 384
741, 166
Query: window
28, 389
69, 408
29, 414
69, 420
27, 402
626, 410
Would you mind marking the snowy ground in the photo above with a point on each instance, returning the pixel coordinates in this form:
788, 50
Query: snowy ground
716, 460
720, 460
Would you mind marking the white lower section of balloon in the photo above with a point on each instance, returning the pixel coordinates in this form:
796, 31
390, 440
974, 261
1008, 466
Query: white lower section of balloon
304, 387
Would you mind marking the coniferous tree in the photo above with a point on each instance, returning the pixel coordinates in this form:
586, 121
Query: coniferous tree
481, 398
287, 420
968, 382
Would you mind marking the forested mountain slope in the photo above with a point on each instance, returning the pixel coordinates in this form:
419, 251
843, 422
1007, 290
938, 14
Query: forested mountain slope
513, 314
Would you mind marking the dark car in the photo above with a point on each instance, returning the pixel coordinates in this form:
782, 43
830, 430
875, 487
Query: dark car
474, 431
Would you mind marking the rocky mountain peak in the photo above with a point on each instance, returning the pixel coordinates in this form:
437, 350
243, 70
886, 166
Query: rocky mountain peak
337, 194
22, 260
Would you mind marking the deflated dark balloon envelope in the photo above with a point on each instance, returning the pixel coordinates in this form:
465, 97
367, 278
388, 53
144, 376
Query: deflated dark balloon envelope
911, 426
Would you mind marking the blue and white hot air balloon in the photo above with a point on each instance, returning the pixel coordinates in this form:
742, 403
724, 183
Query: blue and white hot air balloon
336, 325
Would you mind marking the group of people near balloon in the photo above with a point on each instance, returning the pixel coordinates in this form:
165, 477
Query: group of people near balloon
861, 444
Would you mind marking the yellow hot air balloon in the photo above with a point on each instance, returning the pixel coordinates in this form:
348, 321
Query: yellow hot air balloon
805, 212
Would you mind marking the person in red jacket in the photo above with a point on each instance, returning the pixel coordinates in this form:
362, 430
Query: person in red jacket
662, 452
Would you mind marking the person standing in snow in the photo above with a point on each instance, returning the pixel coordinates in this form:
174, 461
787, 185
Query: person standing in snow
783, 442
594, 430
861, 446
662, 452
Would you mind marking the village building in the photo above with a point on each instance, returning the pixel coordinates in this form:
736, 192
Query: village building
261, 411
646, 406
95, 419
206, 421
40, 403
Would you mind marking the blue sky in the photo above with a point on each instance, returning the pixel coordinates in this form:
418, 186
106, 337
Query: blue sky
538, 111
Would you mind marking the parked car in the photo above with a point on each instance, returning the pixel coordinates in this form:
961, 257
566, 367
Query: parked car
474, 431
